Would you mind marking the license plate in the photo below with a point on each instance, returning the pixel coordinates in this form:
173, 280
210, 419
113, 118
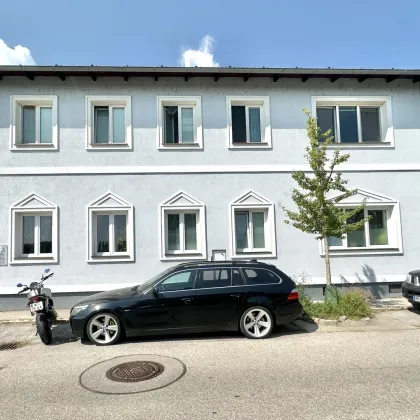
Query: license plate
416, 298
37, 306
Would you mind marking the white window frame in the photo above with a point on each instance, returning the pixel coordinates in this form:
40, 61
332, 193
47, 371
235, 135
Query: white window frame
38, 101
33, 205
109, 204
385, 119
111, 102
253, 202
262, 102
182, 250
182, 203
193, 102
373, 201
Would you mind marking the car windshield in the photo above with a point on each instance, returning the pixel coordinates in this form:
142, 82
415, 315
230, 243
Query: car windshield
144, 286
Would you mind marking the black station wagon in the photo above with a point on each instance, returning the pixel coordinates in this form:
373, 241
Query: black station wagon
249, 296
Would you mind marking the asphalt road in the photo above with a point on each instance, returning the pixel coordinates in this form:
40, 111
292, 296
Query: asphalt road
370, 374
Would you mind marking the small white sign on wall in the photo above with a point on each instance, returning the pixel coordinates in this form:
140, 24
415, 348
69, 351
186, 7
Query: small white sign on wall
3, 254
218, 255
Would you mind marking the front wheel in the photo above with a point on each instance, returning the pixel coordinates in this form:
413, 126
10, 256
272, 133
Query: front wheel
256, 322
43, 328
104, 329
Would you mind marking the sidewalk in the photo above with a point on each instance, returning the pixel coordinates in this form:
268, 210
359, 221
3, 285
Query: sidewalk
25, 316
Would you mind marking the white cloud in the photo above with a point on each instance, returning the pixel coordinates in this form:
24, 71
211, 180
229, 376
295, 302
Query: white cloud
203, 57
15, 56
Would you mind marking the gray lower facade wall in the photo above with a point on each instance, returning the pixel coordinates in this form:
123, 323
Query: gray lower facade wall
297, 252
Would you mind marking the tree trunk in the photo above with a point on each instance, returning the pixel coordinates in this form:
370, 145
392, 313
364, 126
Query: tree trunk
327, 262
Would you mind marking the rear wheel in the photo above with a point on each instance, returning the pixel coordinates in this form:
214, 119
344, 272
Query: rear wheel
104, 329
43, 328
256, 322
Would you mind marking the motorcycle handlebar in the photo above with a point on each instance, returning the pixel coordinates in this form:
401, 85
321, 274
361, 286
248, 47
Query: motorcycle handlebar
37, 285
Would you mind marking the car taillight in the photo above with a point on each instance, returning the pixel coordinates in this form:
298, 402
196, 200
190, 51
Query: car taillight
293, 295
36, 299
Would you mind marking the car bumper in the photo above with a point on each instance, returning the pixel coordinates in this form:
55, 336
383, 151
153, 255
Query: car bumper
77, 325
410, 290
288, 313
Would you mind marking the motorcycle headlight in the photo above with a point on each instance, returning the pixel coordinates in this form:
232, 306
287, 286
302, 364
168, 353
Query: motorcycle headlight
77, 309
408, 278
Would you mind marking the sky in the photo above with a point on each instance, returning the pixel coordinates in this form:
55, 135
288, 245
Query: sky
246, 33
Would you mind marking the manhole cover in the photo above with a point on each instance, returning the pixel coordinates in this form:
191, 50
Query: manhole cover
135, 371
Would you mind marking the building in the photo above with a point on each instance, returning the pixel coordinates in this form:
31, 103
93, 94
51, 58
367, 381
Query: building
109, 175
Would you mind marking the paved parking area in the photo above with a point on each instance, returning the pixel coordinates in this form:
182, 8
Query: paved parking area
365, 374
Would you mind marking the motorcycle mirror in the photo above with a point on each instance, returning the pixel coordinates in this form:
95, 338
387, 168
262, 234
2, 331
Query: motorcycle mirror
19, 285
47, 270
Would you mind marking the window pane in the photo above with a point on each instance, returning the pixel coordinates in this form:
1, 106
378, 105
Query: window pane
173, 232
120, 233
378, 233
45, 233
238, 124
214, 278
45, 114
118, 125
326, 119
187, 121
258, 229
237, 278
333, 241
259, 276
179, 281
28, 124
190, 222
102, 232
241, 230
101, 125
370, 124
171, 124
348, 124
28, 235
356, 238
254, 125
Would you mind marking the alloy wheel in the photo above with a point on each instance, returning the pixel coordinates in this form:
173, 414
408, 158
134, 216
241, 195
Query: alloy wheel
257, 323
104, 329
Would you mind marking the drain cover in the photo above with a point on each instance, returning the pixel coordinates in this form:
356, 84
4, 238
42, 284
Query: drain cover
11, 345
135, 371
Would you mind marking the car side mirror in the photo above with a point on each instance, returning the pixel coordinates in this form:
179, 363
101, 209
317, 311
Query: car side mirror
156, 290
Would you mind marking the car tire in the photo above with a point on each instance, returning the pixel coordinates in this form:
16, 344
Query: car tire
43, 328
256, 322
416, 306
104, 329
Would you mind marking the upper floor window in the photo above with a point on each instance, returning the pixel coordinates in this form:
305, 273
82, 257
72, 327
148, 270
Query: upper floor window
34, 122
34, 231
249, 121
179, 122
356, 121
108, 122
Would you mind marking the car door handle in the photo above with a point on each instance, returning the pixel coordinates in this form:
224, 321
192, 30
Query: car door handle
187, 300
235, 296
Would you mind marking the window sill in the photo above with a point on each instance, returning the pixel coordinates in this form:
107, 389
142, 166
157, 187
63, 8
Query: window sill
362, 146
34, 146
111, 259
172, 146
364, 251
34, 260
183, 256
254, 254
108, 146
245, 146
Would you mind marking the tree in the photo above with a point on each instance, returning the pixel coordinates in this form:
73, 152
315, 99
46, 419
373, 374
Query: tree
316, 213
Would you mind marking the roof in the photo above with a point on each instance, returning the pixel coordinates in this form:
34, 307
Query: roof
275, 73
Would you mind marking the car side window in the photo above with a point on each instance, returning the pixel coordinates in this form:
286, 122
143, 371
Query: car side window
237, 278
220, 277
183, 280
259, 276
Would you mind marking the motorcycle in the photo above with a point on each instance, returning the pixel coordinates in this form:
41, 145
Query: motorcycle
41, 305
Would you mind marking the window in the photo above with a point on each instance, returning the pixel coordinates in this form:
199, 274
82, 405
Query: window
249, 122
220, 277
34, 122
183, 280
381, 232
108, 122
182, 228
179, 122
257, 276
34, 231
252, 229
110, 230
356, 121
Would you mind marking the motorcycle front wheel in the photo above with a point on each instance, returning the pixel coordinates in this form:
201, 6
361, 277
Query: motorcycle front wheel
43, 328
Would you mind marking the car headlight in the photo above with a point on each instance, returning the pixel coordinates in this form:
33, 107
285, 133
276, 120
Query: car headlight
77, 309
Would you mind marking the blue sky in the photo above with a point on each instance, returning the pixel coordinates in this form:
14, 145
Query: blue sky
270, 33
